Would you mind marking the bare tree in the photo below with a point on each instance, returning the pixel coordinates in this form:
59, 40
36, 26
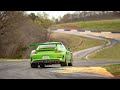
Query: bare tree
17, 32
10, 20
90, 15
32, 16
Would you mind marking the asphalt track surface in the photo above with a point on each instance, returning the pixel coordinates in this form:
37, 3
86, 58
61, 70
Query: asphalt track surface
22, 69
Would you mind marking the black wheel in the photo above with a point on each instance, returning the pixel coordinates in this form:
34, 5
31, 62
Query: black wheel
34, 65
65, 63
70, 64
42, 65
62, 64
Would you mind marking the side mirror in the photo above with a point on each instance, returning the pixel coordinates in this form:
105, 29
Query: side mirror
69, 49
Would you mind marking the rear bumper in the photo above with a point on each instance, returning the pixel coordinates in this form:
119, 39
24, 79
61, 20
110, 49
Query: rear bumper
57, 61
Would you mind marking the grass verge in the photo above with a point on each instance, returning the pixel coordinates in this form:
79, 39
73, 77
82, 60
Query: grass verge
76, 43
101, 25
111, 53
114, 69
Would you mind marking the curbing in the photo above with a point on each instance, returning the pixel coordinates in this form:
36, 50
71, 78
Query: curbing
74, 30
86, 31
107, 32
90, 32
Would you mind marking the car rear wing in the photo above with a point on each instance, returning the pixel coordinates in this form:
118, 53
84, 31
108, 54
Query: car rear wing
37, 44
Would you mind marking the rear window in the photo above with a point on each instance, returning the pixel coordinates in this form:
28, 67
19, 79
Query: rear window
61, 46
46, 46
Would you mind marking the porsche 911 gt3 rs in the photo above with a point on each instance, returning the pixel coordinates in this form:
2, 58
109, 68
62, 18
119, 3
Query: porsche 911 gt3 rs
50, 53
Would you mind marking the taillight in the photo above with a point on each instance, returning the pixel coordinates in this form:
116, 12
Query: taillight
58, 51
59, 57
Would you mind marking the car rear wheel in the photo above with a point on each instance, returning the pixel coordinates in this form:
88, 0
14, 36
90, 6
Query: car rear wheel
34, 65
42, 65
71, 63
65, 63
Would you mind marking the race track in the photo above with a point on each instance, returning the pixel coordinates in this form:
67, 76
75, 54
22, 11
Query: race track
22, 70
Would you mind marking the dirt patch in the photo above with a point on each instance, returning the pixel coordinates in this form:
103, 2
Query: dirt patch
97, 70
54, 35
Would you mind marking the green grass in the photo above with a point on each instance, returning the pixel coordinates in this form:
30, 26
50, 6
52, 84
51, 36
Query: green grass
111, 53
101, 25
113, 69
74, 42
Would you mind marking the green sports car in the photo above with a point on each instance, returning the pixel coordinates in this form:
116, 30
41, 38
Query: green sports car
50, 53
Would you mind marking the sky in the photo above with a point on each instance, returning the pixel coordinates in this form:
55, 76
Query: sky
55, 14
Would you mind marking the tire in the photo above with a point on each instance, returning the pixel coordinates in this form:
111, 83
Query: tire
42, 65
64, 63
70, 64
34, 65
